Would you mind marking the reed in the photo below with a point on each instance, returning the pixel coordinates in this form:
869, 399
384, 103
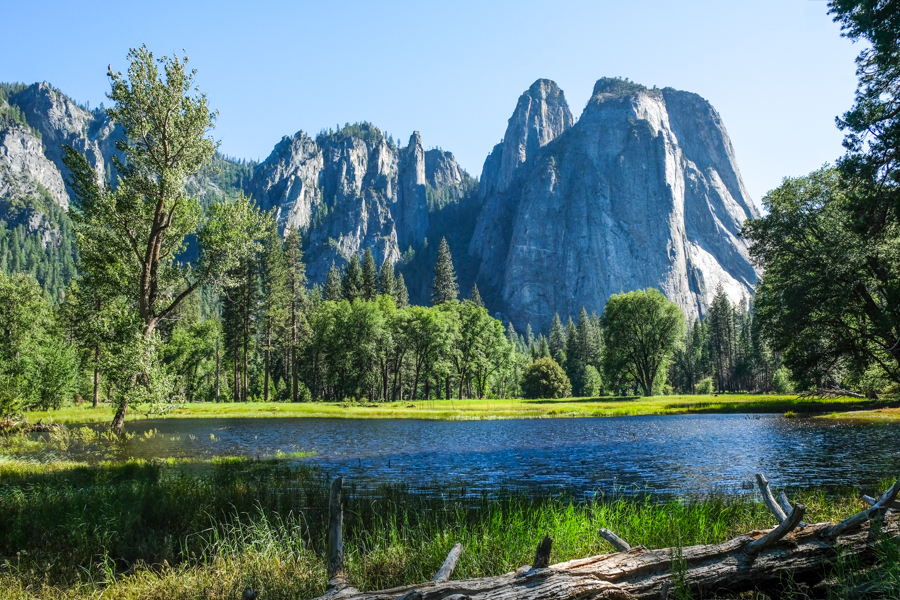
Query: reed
207, 529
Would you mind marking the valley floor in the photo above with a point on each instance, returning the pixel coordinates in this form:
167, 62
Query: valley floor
607, 406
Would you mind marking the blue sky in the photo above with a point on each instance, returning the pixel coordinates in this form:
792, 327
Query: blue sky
777, 71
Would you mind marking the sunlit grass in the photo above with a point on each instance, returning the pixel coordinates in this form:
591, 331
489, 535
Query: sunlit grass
207, 529
605, 406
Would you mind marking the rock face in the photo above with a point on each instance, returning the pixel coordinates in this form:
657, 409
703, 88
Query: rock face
61, 121
353, 189
541, 116
644, 191
24, 170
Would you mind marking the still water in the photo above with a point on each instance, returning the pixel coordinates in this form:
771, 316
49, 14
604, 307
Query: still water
667, 454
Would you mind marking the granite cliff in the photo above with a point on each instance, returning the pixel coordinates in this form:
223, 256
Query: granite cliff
643, 191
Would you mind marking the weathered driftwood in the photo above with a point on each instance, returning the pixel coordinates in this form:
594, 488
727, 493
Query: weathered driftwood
446, 569
335, 565
756, 560
617, 542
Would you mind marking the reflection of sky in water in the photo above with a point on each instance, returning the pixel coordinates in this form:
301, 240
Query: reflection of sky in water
669, 454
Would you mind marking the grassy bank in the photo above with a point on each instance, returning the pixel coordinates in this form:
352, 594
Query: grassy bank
176, 529
607, 406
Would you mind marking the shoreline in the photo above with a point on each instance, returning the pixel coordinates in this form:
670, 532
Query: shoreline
488, 409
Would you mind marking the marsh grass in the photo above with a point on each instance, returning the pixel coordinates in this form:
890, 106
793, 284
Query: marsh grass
206, 529
604, 406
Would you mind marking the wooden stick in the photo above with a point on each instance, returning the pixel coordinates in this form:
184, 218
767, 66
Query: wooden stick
336, 578
878, 509
617, 542
446, 569
542, 556
786, 505
768, 498
871, 502
784, 528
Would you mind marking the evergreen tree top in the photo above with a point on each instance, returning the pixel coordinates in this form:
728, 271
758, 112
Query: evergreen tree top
445, 287
475, 297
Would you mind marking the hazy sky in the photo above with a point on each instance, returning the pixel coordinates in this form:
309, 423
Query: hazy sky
777, 71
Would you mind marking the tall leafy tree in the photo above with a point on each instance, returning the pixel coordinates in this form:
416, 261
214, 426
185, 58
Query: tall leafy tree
826, 299
642, 329
444, 288
130, 237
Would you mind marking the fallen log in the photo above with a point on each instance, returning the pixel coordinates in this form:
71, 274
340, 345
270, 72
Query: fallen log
758, 560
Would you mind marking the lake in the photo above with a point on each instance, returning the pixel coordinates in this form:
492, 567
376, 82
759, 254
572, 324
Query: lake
666, 454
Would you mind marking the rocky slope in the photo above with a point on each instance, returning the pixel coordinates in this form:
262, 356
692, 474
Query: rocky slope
354, 189
644, 191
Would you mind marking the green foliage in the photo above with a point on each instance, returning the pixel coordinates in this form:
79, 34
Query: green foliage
369, 277
38, 369
617, 86
545, 379
641, 330
706, 386
828, 295
781, 381
129, 238
364, 131
444, 288
352, 282
47, 253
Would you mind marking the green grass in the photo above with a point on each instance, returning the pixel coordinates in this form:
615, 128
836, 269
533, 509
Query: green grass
608, 406
189, 529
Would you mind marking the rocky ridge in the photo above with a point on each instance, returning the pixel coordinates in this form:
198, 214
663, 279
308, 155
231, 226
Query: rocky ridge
642, 191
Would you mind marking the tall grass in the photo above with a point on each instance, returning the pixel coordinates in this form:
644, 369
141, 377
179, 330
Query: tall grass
185, 529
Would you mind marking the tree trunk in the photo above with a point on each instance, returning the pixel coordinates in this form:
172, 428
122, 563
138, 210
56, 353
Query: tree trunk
96, 398
760, 560
268, 351
118, 422
218, 389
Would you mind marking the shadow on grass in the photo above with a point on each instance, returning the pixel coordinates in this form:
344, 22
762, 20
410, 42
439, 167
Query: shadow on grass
803, 405
595, 399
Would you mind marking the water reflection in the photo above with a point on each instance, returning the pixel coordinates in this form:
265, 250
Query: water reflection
668, 454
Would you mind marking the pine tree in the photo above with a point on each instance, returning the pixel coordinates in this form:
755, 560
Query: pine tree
274, 294
445, 287
476, 297
298, 328
369, 277
401, 296
557, 336
352, 285
333, 284
386, 282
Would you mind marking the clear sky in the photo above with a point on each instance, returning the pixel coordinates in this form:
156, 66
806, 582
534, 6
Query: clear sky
776, 70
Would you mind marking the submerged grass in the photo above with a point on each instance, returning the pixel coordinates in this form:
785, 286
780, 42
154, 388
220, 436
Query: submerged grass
190, 529
604, 406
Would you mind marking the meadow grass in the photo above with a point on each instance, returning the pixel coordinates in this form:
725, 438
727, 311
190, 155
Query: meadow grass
604, 406
206, 529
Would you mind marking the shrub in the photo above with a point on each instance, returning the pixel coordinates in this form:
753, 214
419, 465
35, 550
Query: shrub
593, 383
781, 381
544, 378
705, 386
